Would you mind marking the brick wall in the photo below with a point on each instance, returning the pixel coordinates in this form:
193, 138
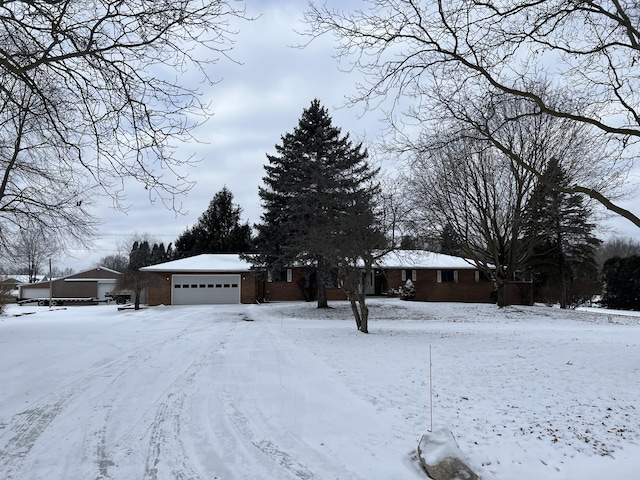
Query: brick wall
295, 290
160, 293
428, 289
248, 288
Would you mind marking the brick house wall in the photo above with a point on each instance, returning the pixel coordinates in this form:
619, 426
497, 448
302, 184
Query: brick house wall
249, 288
160, 293
468, 287
282, 290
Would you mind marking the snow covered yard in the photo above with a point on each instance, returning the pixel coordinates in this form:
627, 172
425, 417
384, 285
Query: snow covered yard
202, 393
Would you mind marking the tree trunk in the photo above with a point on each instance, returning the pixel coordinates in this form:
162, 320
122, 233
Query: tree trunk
360, 311
322, 295
136, 302
503, 292
322, 288
563, 282
356, 312
364, 314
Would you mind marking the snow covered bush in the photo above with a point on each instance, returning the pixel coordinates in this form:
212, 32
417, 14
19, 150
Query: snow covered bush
407, 291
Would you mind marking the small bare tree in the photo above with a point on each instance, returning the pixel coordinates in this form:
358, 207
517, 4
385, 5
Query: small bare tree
115, 261
30, 249
362, 243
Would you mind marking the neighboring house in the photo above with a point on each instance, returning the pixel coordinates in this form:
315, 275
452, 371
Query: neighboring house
9, 285
228, 279
90, 284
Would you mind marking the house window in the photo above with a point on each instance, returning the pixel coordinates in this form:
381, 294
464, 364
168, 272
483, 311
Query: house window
331, 280
409, 274
481, 276
520, 276
280, 275
447, 276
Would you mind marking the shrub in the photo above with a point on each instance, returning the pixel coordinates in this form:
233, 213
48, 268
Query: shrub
621, 278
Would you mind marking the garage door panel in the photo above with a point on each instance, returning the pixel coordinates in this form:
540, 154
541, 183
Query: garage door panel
206, 289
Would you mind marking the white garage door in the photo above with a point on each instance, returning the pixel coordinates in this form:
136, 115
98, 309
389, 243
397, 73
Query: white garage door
205, 289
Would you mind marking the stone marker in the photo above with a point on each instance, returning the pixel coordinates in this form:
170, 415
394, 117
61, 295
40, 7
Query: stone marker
442, 458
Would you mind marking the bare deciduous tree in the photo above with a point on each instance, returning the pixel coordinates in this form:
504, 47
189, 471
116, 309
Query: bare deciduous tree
95, 93
30, 249
471, 188
435, 50
476, 174
617, 247
114, 261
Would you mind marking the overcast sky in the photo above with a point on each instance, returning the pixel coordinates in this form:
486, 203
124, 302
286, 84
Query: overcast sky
255, 102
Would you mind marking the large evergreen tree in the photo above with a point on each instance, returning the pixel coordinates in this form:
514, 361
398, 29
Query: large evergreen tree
316, 187
218, 230
565, 246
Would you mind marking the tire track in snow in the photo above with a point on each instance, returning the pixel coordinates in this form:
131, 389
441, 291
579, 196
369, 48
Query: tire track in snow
23, 430
158, 425
255, 427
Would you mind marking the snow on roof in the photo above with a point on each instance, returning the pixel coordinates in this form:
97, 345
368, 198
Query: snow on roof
423, 259
70, 277
216, 262
20, 278
231, 262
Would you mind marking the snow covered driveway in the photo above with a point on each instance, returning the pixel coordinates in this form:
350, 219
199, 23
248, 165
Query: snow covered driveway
285, 391
172, 393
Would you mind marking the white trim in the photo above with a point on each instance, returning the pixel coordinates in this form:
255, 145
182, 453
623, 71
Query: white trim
99, 280
289, 275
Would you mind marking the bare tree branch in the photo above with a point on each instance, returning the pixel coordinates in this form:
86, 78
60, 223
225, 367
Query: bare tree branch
429, 51
94, 92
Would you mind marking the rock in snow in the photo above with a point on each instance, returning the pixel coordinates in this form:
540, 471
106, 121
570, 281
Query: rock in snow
442, 458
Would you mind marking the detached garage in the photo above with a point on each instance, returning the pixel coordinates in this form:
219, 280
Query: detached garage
209, 279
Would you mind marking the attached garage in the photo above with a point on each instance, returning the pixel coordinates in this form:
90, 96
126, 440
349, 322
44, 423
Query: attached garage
207, 279
205, 289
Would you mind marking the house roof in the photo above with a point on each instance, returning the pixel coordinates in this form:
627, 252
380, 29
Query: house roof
231, 262
19, 278
215, 262
423, 259
90, 275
